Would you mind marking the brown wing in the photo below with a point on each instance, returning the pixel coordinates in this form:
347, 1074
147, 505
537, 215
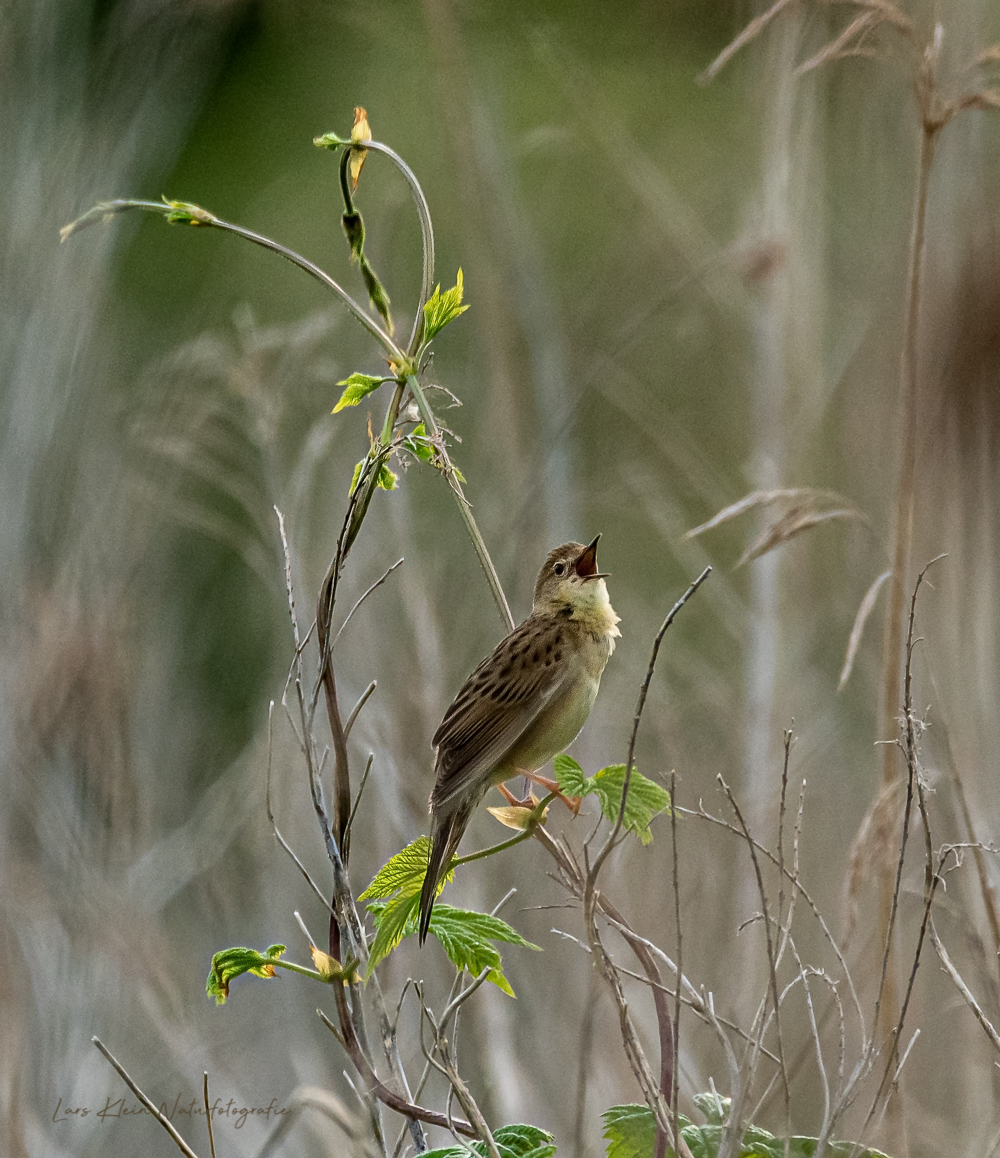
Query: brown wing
495, 705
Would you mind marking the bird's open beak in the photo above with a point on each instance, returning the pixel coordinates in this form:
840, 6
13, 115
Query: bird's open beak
586, 563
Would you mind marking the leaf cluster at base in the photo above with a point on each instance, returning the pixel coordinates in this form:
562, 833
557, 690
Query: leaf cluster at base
467, 937
631, 1133
512, 1142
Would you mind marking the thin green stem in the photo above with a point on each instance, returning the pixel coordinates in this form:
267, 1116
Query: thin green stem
202, 217
495, 848
304, 970
391, 414
426, 233
434, 432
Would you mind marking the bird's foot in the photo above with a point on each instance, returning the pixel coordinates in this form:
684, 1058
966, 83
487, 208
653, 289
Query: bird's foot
571, 802
527, 802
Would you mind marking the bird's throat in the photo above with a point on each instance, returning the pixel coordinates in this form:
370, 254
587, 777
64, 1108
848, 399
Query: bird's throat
593, 611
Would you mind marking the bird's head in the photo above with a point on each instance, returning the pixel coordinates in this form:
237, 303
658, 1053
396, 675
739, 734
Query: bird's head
569, 577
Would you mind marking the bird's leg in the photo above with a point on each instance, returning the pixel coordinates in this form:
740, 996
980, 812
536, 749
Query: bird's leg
571, 802
509, 796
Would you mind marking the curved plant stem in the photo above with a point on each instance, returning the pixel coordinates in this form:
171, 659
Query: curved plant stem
434, 432
201, 217
504, 844
426, 233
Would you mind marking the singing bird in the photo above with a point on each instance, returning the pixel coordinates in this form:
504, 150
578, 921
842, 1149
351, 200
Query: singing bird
524, 703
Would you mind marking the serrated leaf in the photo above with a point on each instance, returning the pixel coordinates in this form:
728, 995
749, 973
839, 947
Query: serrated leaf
229, 964
630, 1131
512, 1142
466, 937
393, 899
646, 799
394, 920
357, 389
387, 479
402, 873
570, 777
442, 308
395, 891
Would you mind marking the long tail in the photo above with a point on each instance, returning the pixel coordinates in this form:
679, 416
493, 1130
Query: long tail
446, 832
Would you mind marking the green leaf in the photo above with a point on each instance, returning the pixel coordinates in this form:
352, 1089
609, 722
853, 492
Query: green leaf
646, 799
403, 873
329, 141
358, 387
512, 1142
442, 308
630, 1131
387, 479
394, 920
397, 886
354, 478
228, 964
714, 1107
570, 777
393, 899
419, 444
466, 937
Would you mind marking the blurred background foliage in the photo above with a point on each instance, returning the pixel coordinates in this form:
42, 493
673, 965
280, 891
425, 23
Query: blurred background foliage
679, 293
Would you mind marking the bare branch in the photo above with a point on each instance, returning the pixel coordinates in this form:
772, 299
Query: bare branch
751, 32
355, 711
157, 1114
378, 583
965, 991
643, 691
208, 1116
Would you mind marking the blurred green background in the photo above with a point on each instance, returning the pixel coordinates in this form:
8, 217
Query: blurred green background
680, 292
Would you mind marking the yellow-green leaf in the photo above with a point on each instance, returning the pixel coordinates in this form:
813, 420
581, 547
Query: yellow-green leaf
229, 964
357, 389
442, 308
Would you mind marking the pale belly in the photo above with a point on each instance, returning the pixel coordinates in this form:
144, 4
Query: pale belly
554, 730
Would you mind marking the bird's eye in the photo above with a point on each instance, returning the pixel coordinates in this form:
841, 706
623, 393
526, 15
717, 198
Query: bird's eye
560, 569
